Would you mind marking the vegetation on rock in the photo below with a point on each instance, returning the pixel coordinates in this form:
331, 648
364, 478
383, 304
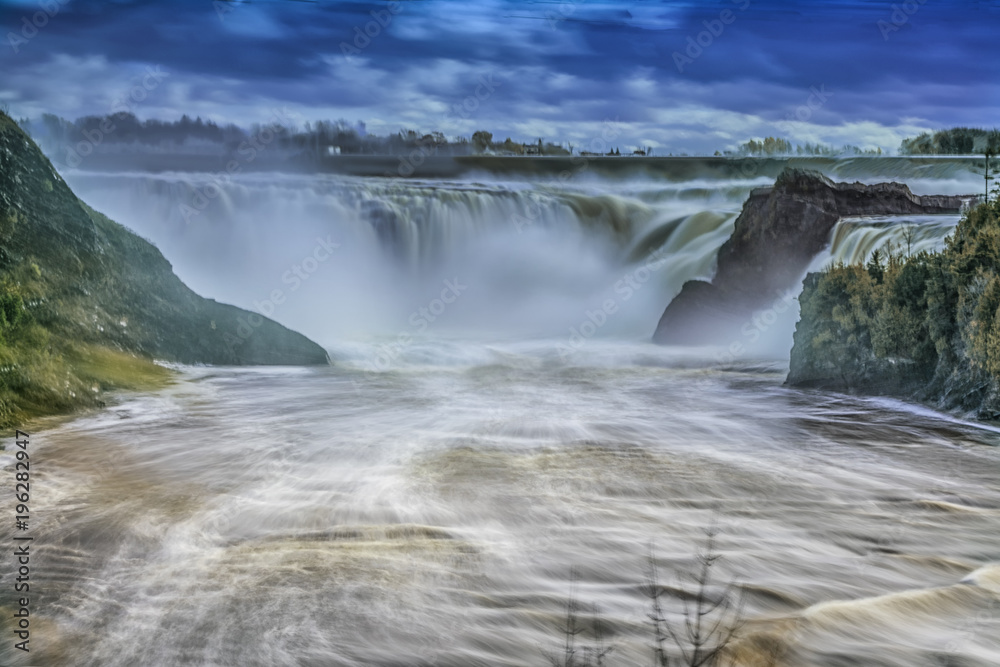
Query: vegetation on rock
778, 233
925, 326
86, 305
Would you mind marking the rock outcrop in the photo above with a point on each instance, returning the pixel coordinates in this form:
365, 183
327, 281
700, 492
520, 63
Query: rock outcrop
923, 327
777, 235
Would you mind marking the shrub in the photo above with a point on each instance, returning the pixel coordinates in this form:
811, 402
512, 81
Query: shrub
917, 317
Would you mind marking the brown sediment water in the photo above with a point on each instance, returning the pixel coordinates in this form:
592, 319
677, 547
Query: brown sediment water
431, 513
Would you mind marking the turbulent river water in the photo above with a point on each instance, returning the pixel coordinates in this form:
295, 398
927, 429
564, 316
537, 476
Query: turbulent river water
494, 436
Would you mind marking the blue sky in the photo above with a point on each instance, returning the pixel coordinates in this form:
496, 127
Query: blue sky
680, 76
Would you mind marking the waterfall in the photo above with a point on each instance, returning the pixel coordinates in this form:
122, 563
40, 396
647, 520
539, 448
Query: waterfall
853, 240
338, 257
444, 508
536, 256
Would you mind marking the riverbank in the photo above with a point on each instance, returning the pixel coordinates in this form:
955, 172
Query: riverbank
86, 306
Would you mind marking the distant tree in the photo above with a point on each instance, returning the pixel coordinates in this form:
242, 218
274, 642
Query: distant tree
955, 141
909, 236
769, 146
482, 140
987, 168
875, 268
56, 132
511, 146
555, 149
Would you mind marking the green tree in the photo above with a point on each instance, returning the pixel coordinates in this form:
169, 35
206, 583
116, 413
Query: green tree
904, 322
987, 168
954, 141
482, 140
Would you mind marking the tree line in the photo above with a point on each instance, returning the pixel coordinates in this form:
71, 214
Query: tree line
955, 141
57, 135
778, 147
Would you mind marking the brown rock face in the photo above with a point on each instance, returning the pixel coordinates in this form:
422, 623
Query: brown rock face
777, 235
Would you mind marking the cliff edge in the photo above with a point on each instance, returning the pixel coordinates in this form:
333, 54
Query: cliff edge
76, 287
778, 233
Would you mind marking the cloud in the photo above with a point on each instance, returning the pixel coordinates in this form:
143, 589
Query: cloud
563, 67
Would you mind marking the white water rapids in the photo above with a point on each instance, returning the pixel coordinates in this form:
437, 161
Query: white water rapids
424, 499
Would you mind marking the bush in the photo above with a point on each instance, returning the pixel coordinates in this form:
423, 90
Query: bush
905, 320
702, 634
11, 307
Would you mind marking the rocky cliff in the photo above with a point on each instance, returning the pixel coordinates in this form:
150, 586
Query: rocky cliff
924, 327
73, 283
777, 235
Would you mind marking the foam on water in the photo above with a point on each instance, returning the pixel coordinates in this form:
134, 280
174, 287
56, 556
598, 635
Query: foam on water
434, 509
424, 499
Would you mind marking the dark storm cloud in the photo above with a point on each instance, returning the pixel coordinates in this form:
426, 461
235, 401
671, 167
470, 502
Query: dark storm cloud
561, 65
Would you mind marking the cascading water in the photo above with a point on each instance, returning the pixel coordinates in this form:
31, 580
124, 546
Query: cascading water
855, 239
537, 257
424, 500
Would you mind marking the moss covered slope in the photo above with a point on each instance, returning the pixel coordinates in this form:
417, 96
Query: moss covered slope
85, 304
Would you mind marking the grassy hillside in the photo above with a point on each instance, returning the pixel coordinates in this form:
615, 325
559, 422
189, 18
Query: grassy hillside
925, 326
86, 305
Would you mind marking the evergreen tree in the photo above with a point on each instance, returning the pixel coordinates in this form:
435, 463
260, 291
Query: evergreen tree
987, 168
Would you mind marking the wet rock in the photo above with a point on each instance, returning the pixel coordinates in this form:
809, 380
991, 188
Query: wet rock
777, 235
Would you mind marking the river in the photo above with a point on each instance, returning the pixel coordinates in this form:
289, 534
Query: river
494, 437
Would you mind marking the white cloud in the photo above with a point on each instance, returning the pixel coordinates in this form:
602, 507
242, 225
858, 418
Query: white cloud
527, 102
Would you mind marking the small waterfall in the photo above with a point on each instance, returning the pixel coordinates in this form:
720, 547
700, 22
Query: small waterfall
853, 240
